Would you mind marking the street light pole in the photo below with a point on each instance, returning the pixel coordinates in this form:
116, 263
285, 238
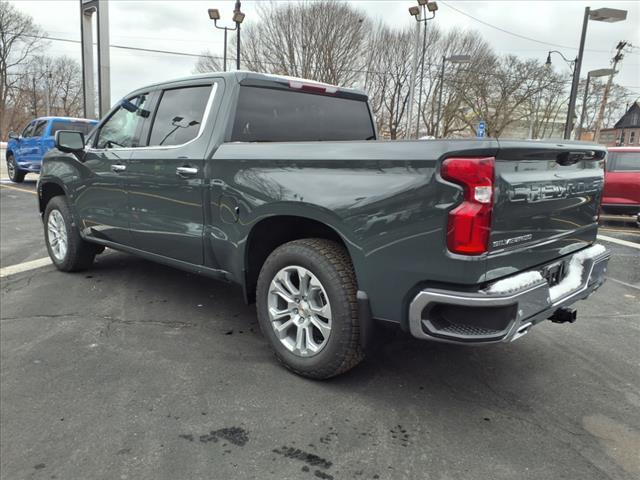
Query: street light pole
236, 10
412, 79
609, 15
568, 127
602, 72
419, 12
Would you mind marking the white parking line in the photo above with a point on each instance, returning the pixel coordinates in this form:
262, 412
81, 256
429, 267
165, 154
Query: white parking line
626, 243
24, 267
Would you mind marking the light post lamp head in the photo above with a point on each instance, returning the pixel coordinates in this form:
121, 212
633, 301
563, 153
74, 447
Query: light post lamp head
548, 62
214, 14
238, 17
432, 6
609, 15
414, 11
601, 72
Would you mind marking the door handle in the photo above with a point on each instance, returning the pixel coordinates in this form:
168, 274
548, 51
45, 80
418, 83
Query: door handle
186, 171
118, 168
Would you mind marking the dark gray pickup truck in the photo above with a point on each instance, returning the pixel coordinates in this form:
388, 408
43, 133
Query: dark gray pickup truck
278, 185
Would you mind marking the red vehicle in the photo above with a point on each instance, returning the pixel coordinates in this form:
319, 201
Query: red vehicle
622, 181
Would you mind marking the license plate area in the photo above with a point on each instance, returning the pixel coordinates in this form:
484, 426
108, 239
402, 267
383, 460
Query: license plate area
554, 273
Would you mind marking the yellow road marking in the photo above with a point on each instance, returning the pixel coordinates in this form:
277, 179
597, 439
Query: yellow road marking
18, 189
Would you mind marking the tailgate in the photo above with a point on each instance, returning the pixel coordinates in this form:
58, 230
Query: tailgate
546, 204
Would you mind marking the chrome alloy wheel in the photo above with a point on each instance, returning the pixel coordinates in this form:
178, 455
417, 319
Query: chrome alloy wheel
299, 311
57, 234
11, 169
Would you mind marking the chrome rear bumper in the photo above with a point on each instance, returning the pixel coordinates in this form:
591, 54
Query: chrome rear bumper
506, 309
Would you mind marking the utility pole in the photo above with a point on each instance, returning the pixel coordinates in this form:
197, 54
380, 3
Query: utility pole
605, 95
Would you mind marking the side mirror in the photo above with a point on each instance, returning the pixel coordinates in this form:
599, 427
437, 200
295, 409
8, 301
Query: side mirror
69, 141
14, 136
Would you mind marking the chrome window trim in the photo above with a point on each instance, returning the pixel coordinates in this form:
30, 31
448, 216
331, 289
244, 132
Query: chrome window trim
205, 118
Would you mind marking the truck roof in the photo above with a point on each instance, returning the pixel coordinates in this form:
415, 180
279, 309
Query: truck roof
67, 119
244, 75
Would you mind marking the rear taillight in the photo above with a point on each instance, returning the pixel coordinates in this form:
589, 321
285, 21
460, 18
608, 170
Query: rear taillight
469, 224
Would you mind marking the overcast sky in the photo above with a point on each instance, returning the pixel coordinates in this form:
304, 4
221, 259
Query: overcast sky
184, 26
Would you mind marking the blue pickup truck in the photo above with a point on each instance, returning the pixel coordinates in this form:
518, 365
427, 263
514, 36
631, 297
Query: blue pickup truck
25, 151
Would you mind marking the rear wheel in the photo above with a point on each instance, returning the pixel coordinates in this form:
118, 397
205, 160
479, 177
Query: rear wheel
307, 308
15, 174
68, 251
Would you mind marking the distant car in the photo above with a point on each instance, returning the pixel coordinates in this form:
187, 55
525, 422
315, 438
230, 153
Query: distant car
25, 151
622, 181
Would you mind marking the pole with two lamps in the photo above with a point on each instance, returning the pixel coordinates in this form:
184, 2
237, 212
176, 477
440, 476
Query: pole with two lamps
419, 13
238, 17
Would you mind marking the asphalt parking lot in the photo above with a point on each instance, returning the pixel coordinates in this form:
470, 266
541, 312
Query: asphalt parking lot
133, 370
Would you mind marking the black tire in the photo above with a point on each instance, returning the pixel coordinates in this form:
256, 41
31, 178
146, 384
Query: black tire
15, 174
79, 253
331, 265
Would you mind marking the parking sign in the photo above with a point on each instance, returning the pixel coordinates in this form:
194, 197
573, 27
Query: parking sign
481, 128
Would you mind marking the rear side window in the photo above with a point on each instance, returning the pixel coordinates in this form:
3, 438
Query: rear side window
624, 161
83, 127
179, 115
39, 130
269, 115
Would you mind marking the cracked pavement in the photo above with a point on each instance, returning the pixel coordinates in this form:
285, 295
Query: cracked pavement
133, 370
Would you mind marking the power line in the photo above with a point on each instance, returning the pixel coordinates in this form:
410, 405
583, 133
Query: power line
430, 65
508, 32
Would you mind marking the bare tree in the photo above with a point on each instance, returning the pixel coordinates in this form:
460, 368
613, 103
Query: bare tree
207, 63
320, 40
19, 38
387, 77
502, 90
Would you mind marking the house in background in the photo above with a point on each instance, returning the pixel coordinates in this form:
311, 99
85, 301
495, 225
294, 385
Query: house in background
626, 132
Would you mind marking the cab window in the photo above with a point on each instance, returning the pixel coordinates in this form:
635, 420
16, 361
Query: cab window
121, 129
28, 130
179, 115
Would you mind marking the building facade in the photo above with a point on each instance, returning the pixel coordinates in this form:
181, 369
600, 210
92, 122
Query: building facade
625, 133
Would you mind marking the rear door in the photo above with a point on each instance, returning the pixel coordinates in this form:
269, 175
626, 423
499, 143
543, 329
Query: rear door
546, 203
102, 204
165, 178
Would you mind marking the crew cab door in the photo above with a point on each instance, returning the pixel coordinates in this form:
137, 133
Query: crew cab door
165, 178
102, 201
33, 145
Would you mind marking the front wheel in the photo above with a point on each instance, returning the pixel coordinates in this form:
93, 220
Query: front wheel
15, 174
307, 308
68, 251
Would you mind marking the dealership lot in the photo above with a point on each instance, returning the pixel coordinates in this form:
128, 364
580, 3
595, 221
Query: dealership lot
135, 370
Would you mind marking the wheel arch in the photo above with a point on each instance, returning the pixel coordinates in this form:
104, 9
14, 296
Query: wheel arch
269, 233
46, 191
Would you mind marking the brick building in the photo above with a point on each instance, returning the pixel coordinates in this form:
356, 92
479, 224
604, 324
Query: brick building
626, 132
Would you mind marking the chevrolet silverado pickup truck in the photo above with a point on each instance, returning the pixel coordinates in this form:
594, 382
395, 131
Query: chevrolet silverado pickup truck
279, 185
